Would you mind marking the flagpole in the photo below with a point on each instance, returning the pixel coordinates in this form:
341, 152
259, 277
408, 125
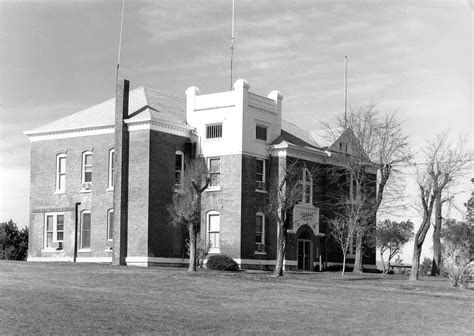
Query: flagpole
232, 46
345, 91
120, 42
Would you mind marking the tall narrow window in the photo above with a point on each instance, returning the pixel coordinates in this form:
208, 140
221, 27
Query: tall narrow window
85, 230
307, 184
61, 173
214, 171
260, 173
87, 170
54, 231
260, 232
214, 131
110, 224
111, 168
261, 132
178, 169
214, 230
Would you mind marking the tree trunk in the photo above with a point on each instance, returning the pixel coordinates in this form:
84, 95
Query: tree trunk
344, 263
358, 265
383, 264
435, 268
415, 264
281, 248
192, 247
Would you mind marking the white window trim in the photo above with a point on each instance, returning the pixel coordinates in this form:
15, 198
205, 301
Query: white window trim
83, 172
111, 169
108, 225
261, 214
55, 231
216, 187
304, 183
180, 184
80, 248
264, 177
208, 223
58, 174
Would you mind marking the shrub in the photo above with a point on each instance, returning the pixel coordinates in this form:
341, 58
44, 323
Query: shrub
222, 262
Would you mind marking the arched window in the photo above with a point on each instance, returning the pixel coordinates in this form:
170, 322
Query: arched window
61, 173
214, 230
111, 168
307, 184
85, 242
260, 232
110, 224
86, 170
179, 169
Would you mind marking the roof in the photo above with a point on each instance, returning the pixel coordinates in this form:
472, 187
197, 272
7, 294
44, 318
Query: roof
297, 136
144, 104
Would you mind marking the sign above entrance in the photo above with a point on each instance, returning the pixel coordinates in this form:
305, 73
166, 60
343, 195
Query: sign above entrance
305, 214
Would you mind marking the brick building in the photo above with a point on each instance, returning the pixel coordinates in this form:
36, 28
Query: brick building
101, 180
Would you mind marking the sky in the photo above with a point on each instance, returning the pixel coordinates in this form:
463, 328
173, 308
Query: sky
409, 56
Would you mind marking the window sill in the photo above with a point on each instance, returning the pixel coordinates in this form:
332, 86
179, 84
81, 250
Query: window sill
213, 188
215, 250
84, 250
85, 191
110, 189
51, 250
260, 253
60, 192
261, 191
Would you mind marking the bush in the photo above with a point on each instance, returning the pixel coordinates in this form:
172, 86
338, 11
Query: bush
13, 242
222, 262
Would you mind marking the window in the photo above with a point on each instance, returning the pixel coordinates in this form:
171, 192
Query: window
54, 231
351, 250
352, 188
213, 229
61, 173
307, 184
260, 173
85, 230
261, 132
214, 131
111, 168
87, 170
260, 232
110, 224
214, 171
178, 169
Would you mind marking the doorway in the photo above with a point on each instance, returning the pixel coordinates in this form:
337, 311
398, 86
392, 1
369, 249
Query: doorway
304, 254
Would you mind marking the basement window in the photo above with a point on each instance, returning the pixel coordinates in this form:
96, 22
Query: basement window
214, 131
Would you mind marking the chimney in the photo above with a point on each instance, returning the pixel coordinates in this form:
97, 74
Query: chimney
120, 218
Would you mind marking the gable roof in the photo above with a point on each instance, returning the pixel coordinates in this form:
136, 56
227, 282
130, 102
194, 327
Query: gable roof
155, 104
296, 135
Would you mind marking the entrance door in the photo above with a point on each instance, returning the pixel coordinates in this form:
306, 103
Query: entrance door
304, 254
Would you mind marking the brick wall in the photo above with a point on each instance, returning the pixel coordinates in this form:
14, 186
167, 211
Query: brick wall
164, 240
43, 198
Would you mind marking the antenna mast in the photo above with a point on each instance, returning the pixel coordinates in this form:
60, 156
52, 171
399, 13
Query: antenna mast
232, 46
345, 91
120, 42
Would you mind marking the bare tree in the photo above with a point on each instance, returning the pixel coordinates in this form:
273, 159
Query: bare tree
378, 140
391, 237
344, 227
282, 199
453, 159
186, 207
444, 162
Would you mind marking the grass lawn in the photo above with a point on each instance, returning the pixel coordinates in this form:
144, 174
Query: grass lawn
66, 298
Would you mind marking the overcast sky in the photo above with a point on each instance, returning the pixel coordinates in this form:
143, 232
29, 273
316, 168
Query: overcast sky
58, 57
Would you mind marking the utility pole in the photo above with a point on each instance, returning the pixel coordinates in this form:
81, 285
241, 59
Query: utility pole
120, 43
345, 91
